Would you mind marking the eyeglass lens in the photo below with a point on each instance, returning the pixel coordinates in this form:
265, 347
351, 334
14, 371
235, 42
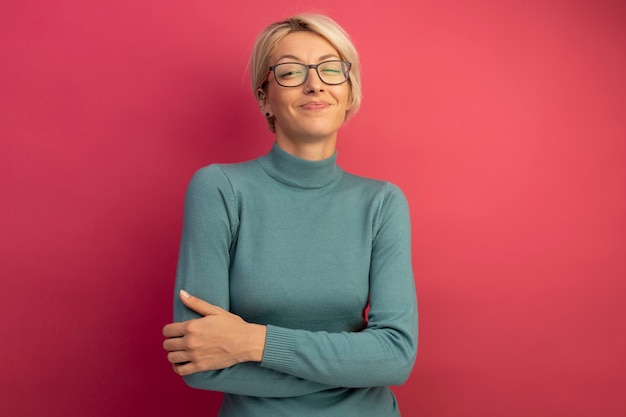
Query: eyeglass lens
293, 74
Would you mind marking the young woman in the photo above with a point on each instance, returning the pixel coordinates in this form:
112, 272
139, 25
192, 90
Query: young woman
285, 254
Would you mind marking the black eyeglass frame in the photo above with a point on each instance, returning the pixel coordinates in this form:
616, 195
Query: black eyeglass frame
306, 76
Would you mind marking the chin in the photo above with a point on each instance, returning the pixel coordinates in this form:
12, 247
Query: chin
322, 128
312, 132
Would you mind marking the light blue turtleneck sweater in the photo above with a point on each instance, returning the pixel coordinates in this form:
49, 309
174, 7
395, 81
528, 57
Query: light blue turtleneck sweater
302, 247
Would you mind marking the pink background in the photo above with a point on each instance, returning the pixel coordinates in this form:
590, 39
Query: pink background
503, 122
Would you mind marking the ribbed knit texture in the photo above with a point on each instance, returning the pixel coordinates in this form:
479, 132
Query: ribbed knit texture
301, 246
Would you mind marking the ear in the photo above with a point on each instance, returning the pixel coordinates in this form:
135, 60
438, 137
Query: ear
261, 97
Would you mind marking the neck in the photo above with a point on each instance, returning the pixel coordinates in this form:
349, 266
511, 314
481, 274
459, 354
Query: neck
300, 173
312, 149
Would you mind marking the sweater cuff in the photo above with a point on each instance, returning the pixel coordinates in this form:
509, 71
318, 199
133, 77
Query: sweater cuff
280, 344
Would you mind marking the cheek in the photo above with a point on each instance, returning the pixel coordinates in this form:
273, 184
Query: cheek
346, 96
279, 102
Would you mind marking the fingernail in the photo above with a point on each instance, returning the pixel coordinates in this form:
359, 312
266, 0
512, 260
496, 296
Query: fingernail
184, 293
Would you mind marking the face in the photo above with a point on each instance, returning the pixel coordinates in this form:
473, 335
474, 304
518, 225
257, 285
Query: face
313, 111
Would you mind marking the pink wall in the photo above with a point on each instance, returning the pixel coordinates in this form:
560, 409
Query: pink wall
503, 121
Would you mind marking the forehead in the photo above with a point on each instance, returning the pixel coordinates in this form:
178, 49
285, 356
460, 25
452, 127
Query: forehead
304, 46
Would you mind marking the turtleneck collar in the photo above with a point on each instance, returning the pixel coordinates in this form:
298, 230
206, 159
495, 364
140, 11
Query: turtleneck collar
298, 172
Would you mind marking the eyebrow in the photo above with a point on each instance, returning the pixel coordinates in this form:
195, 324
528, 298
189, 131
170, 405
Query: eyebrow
322, 58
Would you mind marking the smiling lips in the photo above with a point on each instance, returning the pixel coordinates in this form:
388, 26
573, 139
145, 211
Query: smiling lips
315, 105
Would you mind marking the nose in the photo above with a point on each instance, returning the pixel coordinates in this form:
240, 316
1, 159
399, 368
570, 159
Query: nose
313, 81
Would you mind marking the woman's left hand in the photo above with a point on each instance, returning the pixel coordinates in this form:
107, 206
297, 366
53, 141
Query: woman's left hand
217, 340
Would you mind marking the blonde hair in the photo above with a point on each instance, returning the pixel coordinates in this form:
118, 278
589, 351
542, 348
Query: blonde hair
315, 23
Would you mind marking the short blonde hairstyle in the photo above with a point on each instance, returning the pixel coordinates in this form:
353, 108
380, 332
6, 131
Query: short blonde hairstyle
315, 23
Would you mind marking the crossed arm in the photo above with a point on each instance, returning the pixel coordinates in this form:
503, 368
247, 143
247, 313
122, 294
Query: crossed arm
217, 350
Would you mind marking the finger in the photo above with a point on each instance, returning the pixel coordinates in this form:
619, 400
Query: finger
174, 329
184, 368
174, 344
198, 305
178, 358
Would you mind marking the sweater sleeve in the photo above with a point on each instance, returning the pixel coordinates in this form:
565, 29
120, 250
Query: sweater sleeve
209, 230
384, 352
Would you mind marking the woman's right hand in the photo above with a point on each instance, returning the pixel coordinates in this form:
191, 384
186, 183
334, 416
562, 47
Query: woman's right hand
217, 340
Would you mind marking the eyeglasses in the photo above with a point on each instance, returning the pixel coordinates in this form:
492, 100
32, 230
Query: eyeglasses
294, 74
